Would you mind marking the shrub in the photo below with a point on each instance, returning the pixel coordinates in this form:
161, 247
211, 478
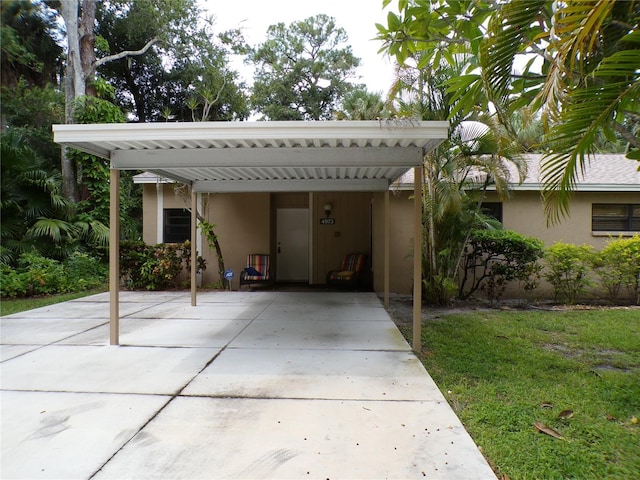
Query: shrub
618, 265
156, 267
45, 275
493, 258
38, 275
82, 272
568, 268
14, 284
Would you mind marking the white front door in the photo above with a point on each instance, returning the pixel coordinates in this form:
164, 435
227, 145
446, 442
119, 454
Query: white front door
292, 248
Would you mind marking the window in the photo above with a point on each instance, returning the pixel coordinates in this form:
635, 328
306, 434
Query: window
177, 225
615, 217
493, 210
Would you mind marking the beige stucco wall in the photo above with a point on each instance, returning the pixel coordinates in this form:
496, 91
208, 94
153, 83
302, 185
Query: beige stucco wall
351, 232
243, 226
524, 213
400, 240
245, 223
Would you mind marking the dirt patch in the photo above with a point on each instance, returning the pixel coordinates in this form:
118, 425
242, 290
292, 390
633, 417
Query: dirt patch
401, 308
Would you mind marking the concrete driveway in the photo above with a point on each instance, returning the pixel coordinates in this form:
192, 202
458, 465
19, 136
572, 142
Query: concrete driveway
249, 385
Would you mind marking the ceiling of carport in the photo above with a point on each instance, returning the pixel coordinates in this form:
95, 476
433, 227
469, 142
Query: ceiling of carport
263, 156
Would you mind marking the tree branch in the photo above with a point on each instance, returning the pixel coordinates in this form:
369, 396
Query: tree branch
627, 135
125, 53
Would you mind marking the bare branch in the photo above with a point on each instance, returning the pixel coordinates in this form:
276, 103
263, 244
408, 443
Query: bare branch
627, 135
125, 53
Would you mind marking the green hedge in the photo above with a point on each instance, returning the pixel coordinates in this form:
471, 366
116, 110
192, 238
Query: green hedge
38, 275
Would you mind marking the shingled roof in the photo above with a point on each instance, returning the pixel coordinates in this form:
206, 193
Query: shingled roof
604, 173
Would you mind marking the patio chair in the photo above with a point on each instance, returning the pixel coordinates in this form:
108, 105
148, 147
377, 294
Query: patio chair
350, 273
257, 271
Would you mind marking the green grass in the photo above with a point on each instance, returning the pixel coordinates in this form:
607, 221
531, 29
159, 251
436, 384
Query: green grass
498, 369
7, 307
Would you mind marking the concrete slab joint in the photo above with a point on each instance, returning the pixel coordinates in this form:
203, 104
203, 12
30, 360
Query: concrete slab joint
243, 385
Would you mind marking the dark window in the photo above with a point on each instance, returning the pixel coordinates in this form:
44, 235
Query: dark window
177, 225
493, 210
615, 217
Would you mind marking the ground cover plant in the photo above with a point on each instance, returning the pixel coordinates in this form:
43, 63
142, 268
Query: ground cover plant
508, 375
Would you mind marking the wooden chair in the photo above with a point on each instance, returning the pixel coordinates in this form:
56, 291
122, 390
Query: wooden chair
350, 273
257, 271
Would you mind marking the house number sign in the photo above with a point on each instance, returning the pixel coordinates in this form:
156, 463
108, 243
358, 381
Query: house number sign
327, 221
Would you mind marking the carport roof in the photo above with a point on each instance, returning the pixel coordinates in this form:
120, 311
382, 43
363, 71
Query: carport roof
263, 156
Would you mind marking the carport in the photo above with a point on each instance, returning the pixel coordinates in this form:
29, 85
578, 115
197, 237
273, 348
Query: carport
263, 157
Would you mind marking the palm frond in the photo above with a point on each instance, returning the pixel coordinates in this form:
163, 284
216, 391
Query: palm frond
589, 111
52, 228
507, 31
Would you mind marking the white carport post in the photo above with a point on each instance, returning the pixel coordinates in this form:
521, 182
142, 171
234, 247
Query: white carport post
417, 259
194, 245
386, 248
114, 257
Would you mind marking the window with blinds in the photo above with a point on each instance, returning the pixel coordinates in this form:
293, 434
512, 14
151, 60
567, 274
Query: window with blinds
492, 209
615, 217
177, 225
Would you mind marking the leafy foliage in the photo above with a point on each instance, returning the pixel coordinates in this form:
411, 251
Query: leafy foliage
30, 111
38, 275
302, 70
156, 267
30, 53
618, 266
360, 104
493, 258
568, 270
34, 213
187, 65
93, 207
573, 63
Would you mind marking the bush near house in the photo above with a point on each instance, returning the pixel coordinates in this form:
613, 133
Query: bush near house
618, 266
493, 258
38, 275
568, 270
156, 267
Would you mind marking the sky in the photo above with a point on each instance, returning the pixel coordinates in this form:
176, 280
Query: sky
357, 17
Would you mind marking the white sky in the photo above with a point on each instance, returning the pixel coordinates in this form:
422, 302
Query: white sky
357, 17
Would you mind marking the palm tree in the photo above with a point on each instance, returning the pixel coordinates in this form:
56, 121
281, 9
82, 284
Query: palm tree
575, 63
455, 176
35, 215
360, 104
592, 84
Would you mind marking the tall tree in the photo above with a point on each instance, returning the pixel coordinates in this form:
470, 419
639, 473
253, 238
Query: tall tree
189, 64
29, 49
302, 70
456, 175
575, 62
79, 17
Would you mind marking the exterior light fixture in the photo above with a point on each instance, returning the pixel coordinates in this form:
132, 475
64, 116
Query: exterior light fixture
327, 209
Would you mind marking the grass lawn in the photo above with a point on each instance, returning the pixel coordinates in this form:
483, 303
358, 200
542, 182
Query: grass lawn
504, 371
7, 307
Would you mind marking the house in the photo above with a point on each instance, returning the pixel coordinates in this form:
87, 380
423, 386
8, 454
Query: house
606, 203
270, 187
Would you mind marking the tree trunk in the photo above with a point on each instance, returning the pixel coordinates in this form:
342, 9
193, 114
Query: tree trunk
73, 83
87, 45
